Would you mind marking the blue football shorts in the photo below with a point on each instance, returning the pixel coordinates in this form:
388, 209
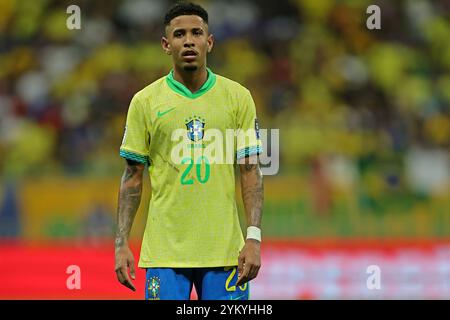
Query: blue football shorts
217, 283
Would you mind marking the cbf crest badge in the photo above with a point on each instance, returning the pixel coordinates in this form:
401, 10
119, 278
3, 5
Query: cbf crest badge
153, 286
195, 128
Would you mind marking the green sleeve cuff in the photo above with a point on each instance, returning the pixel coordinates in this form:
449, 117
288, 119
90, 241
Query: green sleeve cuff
134, 157
249, 151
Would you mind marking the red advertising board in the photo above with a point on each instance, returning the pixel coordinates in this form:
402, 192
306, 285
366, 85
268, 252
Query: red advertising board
291, 269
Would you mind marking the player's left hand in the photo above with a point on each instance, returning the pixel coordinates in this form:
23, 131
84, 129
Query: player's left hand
249, 261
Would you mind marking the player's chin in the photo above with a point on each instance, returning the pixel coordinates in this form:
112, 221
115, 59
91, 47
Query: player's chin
191, 66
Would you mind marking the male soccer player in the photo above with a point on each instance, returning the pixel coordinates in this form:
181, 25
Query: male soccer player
192, 236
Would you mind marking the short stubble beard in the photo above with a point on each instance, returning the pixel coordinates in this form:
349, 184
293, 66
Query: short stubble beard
190, 68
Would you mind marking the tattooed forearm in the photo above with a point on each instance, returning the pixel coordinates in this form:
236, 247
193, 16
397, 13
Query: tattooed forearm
252, 190
129, 200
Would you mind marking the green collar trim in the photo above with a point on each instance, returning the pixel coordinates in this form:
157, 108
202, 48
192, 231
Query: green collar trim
180, 88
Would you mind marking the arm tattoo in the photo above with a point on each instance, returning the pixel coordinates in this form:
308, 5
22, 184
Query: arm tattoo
252, 193
249, 166
129, 199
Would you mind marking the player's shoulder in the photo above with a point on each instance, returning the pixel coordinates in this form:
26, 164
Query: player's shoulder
231, 85
150, 90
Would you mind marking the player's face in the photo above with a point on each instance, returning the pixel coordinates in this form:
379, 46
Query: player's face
188, 41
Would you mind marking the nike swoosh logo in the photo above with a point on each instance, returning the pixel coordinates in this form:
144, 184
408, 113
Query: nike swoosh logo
160, 114
237, 298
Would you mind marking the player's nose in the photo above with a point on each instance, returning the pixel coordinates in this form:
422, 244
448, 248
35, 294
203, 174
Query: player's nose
188, 42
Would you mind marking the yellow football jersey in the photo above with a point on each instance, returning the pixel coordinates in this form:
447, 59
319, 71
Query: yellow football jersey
191, 142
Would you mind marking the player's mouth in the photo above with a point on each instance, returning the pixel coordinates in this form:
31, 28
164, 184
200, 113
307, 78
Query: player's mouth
189, 55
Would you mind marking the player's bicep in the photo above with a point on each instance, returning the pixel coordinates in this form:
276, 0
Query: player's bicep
249, 166
134, 171
246, 162
132, 163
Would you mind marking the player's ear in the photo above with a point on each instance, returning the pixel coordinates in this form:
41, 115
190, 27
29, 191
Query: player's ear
165, 45
210, 42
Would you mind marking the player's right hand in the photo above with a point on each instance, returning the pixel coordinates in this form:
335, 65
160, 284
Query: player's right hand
125, 260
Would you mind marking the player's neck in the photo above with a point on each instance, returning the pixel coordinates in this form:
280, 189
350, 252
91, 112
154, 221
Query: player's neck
193, 80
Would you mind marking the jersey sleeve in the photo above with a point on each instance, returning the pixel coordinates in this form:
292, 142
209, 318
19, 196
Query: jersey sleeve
248, 141
135, 143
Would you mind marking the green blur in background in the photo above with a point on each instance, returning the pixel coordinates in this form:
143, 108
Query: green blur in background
363, 114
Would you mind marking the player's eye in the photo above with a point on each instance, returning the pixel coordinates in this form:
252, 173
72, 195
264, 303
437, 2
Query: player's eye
178, 34
198, 32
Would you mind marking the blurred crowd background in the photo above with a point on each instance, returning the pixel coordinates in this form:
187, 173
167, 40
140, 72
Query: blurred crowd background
363, 114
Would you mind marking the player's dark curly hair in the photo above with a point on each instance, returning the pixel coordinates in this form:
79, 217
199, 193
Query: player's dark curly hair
185, 8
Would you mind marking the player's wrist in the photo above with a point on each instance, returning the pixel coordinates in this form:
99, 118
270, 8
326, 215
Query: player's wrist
252, 242
254, 233
120, 242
